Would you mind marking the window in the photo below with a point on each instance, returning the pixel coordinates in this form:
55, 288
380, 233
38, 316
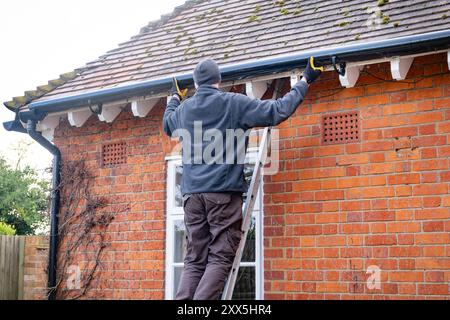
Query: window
250, 277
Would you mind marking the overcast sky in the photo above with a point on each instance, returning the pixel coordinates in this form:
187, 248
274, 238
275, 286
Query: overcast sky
41, 39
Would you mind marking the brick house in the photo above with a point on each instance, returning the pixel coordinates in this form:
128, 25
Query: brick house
356, 211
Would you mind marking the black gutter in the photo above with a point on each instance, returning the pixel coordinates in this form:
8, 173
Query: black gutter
55, 203
15, 125
363, 51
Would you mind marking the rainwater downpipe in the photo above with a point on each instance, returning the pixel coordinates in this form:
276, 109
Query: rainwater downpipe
55, 203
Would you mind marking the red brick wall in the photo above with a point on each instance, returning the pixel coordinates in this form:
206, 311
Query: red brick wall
335, 210
35, 268
331, 212
132, 265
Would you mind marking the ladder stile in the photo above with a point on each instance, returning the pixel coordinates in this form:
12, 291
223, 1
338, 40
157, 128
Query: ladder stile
264, 151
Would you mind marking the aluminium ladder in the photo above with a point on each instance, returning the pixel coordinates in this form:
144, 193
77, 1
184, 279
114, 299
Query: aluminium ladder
263, 153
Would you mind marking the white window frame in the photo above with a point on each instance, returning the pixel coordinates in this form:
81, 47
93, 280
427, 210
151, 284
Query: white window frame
174, 213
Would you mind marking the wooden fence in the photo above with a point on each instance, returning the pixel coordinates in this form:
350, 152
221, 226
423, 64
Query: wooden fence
12, 250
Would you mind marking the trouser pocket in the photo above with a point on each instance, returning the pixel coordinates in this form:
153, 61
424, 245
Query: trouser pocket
234, 237
185, 199
217, 198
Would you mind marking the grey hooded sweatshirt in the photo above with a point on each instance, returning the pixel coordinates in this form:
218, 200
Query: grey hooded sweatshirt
216, 112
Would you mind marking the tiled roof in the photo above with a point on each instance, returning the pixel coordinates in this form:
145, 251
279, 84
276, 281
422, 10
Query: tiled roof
232, 31
41, 90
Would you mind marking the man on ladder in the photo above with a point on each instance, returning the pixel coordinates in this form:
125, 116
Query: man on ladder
213, 179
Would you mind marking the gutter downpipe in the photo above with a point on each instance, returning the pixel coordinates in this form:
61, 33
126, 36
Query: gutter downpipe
55, 203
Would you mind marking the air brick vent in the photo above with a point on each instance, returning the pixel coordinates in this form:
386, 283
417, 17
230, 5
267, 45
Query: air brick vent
340, 128
114, 154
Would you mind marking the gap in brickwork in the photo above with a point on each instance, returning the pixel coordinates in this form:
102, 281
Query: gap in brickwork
340, 128
114, 154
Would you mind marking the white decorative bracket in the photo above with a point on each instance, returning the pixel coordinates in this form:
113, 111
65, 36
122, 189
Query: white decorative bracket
48, 134
142, 108
256, 90
79, 117
49, 122
295, 78
351, 76
109, 113
448, 59
48, 125
400, 67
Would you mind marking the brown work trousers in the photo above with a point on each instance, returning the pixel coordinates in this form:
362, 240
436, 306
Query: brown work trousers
213, 226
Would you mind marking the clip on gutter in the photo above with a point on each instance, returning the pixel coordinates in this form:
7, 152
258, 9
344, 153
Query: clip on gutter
369, 50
